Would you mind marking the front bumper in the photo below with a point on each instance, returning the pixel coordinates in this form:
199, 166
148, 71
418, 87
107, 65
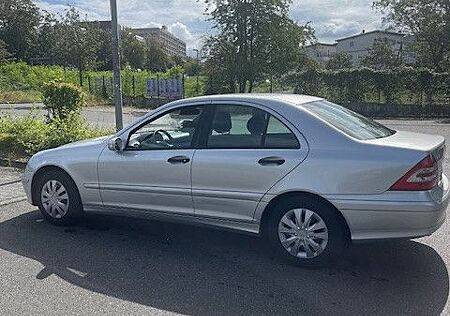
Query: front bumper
26, 178
395, 214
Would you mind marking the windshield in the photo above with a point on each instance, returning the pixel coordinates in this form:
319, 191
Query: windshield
351, 123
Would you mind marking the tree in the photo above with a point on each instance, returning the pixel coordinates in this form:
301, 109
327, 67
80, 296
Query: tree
381, 56
220, 65
192, 67
259, 35
19, 20
78, 42
46, 46
340, 61
157, 60
134, 50
279, 51
5, 56
428, 21
104, 52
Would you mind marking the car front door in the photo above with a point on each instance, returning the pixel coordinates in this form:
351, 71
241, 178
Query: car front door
246, 150
153, 172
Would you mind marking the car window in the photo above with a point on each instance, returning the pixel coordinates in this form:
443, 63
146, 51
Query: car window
173, 130
236, 126
351, 123
279, 136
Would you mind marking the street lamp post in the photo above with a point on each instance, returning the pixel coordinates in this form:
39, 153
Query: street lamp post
197, 88
116, 66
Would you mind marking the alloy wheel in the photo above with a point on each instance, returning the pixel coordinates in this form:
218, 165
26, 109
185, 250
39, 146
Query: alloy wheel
303, 233
55, 199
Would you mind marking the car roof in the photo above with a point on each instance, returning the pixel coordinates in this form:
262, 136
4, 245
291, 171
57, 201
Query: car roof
294, 99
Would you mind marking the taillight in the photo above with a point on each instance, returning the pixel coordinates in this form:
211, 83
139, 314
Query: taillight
424, 176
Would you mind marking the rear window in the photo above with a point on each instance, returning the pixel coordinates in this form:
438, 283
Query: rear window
351, 123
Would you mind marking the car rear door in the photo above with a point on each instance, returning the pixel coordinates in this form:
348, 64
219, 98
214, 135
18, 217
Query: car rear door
245, 150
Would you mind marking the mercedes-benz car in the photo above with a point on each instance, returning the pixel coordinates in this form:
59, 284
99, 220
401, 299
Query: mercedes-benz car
309, 175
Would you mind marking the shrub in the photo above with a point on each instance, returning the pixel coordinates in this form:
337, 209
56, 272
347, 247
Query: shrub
23, 136
63, 100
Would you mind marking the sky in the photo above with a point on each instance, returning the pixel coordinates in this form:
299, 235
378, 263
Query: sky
332, 19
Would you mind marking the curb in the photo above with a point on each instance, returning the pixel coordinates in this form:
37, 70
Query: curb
13, 163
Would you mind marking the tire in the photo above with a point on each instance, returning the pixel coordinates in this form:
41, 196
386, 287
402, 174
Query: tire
330, 233
58, 198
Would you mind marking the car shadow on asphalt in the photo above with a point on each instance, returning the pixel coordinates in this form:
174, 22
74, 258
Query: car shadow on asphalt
199, 271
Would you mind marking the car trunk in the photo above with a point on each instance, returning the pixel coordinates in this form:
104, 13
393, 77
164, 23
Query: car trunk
422, 144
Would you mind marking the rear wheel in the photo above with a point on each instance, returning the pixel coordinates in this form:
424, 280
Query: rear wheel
306, 231
59, 200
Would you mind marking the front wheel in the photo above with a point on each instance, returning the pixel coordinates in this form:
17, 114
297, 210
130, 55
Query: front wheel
59, 200
307, 231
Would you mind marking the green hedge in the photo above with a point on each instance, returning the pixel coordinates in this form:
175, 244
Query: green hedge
402, 85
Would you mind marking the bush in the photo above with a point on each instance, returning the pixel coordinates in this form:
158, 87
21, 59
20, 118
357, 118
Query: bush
63, 100
21, 137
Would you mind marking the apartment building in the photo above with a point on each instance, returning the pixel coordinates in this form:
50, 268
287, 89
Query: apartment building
321, 52
358, 46
172, 45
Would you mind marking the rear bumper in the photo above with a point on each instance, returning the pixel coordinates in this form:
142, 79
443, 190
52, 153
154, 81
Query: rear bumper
395, 214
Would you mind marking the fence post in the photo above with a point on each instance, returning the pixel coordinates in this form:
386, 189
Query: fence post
134, 87
183, 95
157, 85
104, 92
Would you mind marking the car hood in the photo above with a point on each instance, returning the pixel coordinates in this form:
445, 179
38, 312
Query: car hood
87, 142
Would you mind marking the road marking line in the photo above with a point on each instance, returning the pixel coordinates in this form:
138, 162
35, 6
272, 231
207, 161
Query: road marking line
14, 200
8, 183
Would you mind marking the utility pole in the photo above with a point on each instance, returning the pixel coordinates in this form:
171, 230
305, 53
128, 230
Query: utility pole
116, 66
197, 88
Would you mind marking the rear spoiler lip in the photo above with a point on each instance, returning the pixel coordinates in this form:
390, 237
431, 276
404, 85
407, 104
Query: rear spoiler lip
425, 143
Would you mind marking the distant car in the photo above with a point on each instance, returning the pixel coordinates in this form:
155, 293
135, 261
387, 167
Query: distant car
309, 175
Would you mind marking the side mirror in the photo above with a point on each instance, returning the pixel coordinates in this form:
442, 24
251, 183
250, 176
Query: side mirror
115, 144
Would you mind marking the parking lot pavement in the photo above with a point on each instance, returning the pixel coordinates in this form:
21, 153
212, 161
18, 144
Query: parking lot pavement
110, 265
10, 186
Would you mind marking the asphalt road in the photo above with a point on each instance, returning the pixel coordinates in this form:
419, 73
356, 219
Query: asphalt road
120, 266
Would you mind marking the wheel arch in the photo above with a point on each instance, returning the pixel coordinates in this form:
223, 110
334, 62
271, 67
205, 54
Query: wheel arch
39, 173
299, 194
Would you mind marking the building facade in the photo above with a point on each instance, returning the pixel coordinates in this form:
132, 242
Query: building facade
321, 52
359, 45
171, 45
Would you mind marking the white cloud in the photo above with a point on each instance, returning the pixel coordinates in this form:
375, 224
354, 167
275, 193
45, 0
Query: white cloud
185, 18
332, 19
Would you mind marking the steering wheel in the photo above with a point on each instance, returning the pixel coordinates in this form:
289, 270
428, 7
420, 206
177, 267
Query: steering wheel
161, 131
162, 134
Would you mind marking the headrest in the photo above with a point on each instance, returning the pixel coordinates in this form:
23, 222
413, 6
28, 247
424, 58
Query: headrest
257, 124
222, 122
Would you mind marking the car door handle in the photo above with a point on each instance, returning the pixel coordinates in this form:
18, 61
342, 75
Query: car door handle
278, 161
178, 159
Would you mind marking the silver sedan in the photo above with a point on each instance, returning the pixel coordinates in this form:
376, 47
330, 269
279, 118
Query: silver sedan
309, 175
